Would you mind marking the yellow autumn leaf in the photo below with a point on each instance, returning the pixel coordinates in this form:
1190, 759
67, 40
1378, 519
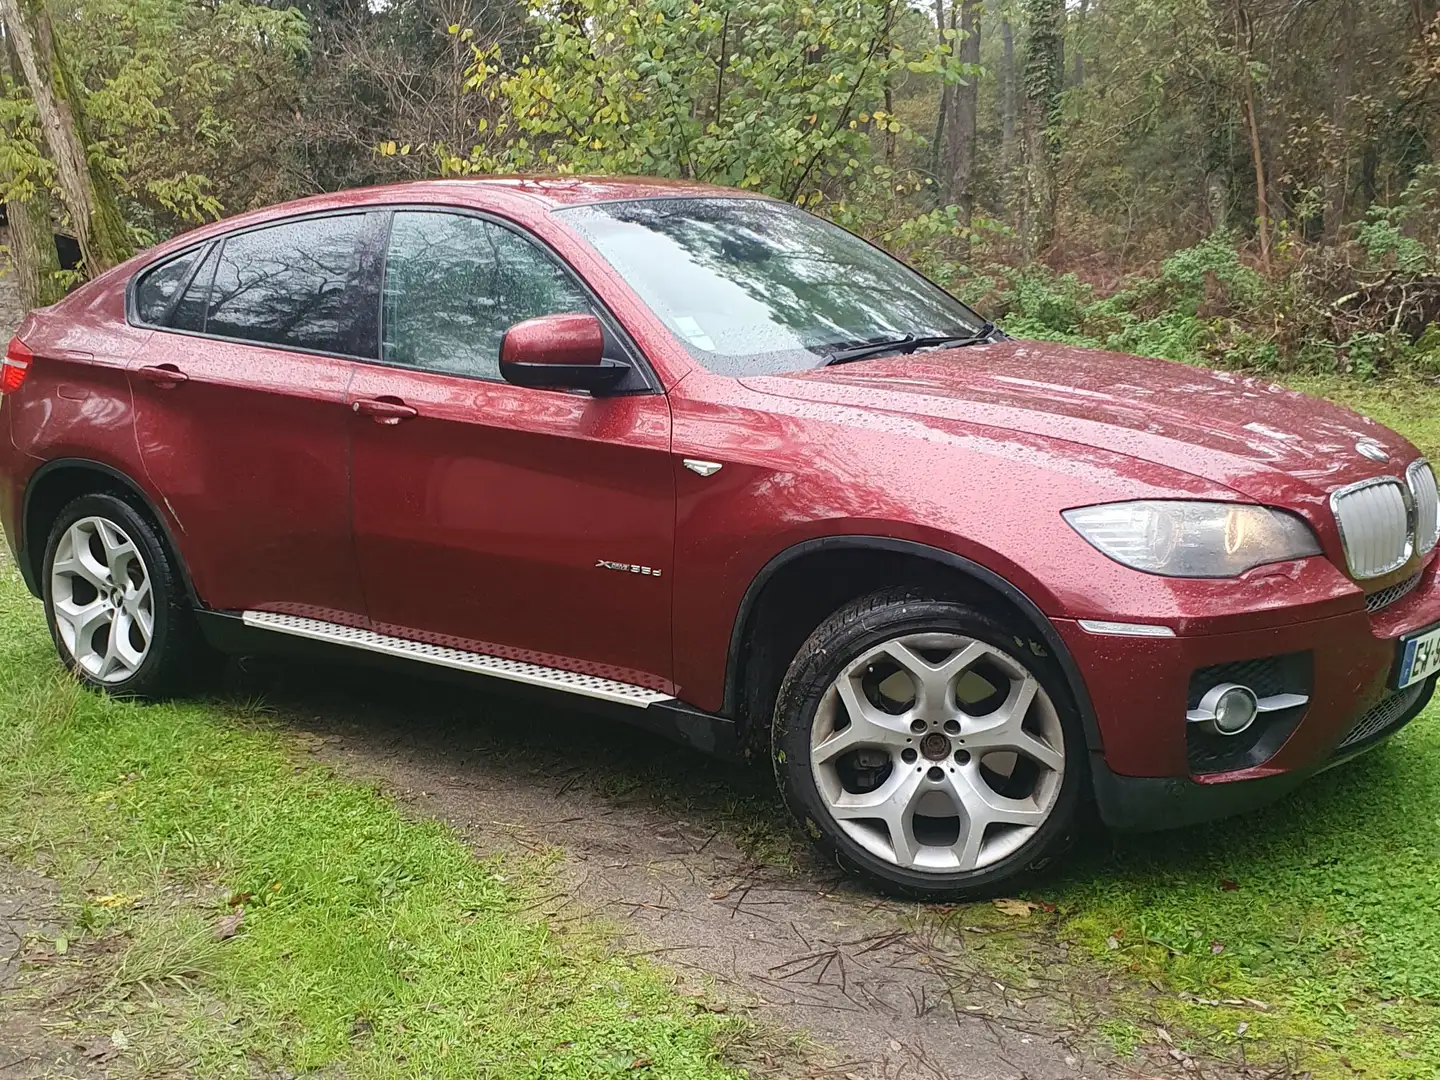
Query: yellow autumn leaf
1019, 909
116, 900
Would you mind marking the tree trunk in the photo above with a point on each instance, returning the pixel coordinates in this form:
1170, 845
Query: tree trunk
938, 156
1080, 15
1009, 100
1257, 157
32, 232
1337, 165
964, 117
94, 211
1044, 75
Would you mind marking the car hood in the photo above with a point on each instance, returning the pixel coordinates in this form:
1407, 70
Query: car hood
1255, 437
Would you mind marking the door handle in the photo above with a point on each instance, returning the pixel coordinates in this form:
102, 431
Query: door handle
165, 376
384, 411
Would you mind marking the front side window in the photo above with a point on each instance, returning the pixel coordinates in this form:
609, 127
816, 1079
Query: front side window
286, 285
754, 287
453, 286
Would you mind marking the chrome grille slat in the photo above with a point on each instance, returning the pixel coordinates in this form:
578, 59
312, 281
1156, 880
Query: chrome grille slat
1421, 478
1374, 521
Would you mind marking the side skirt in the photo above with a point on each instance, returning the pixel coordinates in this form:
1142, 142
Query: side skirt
265, 632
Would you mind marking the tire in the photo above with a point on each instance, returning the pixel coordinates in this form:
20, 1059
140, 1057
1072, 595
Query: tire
1012, 760
116, 604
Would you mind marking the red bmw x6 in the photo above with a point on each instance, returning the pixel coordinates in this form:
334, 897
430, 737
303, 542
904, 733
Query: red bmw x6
737, 474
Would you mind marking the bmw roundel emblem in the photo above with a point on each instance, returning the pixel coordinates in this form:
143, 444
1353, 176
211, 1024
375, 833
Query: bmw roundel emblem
1372, 450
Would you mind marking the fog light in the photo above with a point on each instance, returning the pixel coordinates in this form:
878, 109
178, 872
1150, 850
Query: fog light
1228, 708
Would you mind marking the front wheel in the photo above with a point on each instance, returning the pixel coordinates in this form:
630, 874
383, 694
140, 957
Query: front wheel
115, 602
924, 745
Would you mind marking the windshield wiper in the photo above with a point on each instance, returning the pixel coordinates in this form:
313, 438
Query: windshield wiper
908, 344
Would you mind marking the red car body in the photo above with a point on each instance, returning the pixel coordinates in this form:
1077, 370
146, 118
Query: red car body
477, 524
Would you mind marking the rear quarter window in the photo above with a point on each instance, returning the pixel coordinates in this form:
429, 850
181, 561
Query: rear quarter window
156, 291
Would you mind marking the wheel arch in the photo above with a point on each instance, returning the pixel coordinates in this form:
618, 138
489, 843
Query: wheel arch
874, 562
57, 482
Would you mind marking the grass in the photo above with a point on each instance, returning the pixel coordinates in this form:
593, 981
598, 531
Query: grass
370, 945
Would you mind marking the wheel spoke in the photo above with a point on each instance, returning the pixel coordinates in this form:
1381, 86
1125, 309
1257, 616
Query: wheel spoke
934, 683
868, 725
1004, 728
983, 806
121, 655
119, 551
892, 804
83, 620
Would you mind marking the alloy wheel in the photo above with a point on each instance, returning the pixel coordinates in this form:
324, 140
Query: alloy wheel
103, 601
938, 752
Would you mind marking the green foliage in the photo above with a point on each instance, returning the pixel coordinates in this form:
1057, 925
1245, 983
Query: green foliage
781, 96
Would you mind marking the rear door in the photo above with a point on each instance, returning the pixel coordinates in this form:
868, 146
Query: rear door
241, 410
531, 524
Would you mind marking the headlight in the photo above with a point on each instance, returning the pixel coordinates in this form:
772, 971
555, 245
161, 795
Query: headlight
1193, 539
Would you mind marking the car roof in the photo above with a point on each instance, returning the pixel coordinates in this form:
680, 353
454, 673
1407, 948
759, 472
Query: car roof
525, 195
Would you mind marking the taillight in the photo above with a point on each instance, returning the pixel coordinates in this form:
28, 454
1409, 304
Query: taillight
15, 366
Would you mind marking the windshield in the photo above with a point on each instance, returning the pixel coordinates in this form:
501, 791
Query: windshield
754, 287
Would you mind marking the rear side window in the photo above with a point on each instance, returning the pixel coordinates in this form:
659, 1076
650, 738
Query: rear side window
157, 290
286, 285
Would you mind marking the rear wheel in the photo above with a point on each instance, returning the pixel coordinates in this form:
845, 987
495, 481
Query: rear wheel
115, 602
923, 745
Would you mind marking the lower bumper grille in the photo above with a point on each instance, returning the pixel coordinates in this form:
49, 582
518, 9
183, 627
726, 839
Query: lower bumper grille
1377, 601
1390, 713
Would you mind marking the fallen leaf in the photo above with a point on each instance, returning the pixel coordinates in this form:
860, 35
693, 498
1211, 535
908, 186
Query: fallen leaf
1112, 943
1216, 948
641, 1062
116, 900
1230, 885
1019, 909
1242, 1027
226, 928
1164, 1035
239, 899
119, 1039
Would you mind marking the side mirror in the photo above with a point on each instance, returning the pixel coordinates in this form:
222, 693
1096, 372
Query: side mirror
559, 352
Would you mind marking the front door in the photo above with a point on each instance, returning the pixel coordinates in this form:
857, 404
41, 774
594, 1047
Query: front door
530, 524
241, 413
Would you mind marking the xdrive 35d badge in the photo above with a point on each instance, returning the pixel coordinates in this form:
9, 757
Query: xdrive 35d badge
954, 607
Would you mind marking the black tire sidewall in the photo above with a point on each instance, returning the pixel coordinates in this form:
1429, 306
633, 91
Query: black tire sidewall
846, 635
156, 671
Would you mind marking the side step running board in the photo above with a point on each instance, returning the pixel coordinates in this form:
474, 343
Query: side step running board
572, 682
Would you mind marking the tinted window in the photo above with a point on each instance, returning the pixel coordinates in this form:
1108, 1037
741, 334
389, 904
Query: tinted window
157, 289
189, 313
752, 286
286, 285
455, 284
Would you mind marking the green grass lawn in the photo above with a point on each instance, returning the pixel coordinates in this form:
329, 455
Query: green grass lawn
370, 945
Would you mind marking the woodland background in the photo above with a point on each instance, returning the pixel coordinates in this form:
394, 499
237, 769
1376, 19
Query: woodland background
1244, 183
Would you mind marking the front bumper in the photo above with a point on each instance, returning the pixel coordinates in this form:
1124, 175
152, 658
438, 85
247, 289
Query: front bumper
1153, 803
1145, 778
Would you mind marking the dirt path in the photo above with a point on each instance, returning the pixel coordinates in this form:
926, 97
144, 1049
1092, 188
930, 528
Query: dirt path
662, 841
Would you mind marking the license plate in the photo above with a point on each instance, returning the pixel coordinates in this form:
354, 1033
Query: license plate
1419, 657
